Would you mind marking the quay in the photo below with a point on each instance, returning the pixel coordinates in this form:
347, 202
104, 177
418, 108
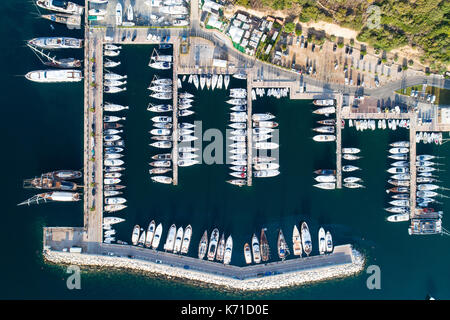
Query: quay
175, 55
344, 261
339, 142
249, 130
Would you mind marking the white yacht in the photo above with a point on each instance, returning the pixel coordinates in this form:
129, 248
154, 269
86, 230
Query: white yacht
48, 76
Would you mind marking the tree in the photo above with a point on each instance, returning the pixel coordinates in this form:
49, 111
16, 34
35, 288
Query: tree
289, 27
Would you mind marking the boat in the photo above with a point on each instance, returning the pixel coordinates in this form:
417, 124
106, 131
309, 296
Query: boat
142, 239
402, 183
186, 240
195, 80
398, 150
187, 163
266, 166
114, 207
97, 12
237, 101
178, 240
51, 43
160, 65
352, 185
162, 179
329, 242
266, 145
324, 129
150, 234
296, 242
349, 168
61, 6
398, 209
135, 235
326, 185
283, 249
324, 137
327, 122
157, 237
118, 14
113, 162
397, 170
162, 95
306, 239
170, 241
400, 164
265, 250
159, 88
226, 81
266, 173
240, 76
160, 171
238, 125
324, 102
112, 220
425, 157
400, 203
130, 12
350, 157
187, 149
255, 249
398, 189
325, 172
262, 116
114, 107
161, 163
67, 19
325, 178
398, 217
403, 156
52, 76
426, 194
160, 132
228, 250
322, 241
162, 81
325, 111
238, 182
400, 144
247, 254
185, 113
221, 248
187, 156
401, 176
203, 246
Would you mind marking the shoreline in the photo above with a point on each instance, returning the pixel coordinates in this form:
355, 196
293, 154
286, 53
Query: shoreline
272, 282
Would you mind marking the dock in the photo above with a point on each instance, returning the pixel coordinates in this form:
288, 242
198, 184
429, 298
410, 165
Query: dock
412, 165
175, 114
338, 142
249, 130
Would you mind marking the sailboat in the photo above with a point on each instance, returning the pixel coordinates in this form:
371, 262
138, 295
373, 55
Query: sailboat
265, 250
296, 240
256, 249
203, 246
283, 249
226, 81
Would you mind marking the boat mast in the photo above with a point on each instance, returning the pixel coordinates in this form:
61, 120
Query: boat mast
42, 53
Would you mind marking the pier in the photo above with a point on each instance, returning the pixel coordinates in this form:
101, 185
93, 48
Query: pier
338, 142
249, 130
412, 165
175, 114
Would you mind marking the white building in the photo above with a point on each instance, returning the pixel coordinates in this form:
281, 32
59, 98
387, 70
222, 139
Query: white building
211, 6
236, 34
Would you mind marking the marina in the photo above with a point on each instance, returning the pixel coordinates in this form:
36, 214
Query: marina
100, 176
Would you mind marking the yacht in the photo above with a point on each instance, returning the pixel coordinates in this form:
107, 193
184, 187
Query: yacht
114, 207
114, 107
160, 65
247, 254
186, 240
283, 249
135, 235
221, 248
329, 242
162, 179
398, 217
49, 76
118, 14
226, 81
67, 19
325, 111
150, 234
266, 173
296, 240
170, 241
178, 240
159, 108
265, 250
203, 246
228, 250
213, 242
306, 239
324, 137
325, 178
61, 6
322, 241
324, 102
157, 237
50, 43
350, 150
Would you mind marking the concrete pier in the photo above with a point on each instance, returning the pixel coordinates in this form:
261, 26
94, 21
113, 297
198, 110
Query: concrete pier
249, 130
175, 114
338, 142
412, 165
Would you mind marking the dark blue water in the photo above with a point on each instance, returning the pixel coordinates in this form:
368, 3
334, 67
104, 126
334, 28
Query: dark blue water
42, 130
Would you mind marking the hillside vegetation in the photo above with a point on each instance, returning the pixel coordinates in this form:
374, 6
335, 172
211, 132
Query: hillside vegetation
422, 24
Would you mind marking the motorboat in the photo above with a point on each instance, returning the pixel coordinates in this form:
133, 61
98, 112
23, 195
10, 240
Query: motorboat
265, 124
187, 163
399, 203
178, 240
266, 145
324, 129
323, 102
150, 234
114, 107
398, 209
160, 171
266, 173
352, 185
349, 168
325, 111
170, 240
135, 235
163, 119
266, 166
398, 150
306, 239
322, 241
247, 254
265, 250
297, 242
400, 144
350, 150
119, 14
114, 207
186, 240
51, 43
329, 242
324, 137
255, 249
162, 95
157, 236
350, 157
221, 248
228, 250
53, 76
262, 116
397, 170
160, 65
113, 162
160, 132
67, 19
61, 6
398, 217
325, 178
325, 172
238, 182
161, 163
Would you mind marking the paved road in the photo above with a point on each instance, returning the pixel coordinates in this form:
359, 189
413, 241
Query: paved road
175, 260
